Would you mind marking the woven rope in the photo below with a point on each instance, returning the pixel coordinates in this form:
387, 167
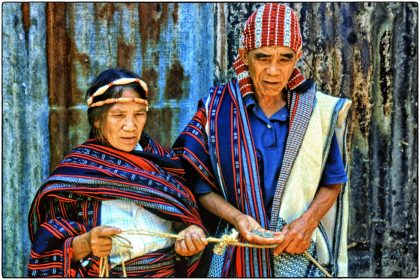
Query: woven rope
225, 240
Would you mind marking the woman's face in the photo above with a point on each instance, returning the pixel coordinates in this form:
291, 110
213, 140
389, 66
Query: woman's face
123, 123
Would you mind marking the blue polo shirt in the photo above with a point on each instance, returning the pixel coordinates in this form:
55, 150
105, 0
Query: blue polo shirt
270, 135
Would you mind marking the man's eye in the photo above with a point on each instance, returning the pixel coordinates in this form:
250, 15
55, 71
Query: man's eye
261, 57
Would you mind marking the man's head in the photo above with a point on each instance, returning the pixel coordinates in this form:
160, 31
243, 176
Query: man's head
270, 48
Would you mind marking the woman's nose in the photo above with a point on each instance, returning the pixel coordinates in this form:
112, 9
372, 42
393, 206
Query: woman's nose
129, 124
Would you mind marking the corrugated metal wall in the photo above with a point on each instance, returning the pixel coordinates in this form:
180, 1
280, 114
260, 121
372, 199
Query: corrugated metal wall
363, 51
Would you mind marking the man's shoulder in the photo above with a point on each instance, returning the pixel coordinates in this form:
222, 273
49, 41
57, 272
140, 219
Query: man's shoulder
221, 89
326, 97
230, 83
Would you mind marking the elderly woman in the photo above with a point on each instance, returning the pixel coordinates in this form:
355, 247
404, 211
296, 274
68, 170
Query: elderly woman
120, 183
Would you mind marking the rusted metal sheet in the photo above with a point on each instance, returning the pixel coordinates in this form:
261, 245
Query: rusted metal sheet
25, 160
363, 51
368, 52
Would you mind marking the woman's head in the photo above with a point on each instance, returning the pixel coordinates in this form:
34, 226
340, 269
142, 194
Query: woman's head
117, 108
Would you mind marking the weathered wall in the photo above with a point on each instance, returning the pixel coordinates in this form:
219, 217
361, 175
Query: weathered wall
363, 51
368, 52
25, 143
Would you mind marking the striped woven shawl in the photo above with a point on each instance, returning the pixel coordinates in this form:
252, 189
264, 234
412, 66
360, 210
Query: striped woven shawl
218, 146
68, 204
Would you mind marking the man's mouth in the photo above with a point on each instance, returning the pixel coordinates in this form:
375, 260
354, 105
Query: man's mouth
272, 83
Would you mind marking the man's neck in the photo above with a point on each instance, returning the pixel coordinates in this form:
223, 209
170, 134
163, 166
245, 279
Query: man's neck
271, 104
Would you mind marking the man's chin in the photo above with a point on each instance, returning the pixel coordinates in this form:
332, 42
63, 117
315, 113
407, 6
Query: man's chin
272, 92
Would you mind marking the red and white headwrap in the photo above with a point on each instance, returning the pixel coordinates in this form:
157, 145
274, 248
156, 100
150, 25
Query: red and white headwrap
271, 25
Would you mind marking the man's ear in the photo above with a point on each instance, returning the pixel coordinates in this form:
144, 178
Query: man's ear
243, 55
96, 124
298, 55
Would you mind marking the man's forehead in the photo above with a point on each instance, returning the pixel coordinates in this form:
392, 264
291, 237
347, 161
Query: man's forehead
274, 50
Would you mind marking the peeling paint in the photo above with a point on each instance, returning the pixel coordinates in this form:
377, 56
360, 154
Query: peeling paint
58, 78
175, 13
174, 81
26, 16
386, 72
125, 54
159, 124
150, 76
153, 17
105, 11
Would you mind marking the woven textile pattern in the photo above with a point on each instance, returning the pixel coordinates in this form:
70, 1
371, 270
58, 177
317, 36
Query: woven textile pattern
68, 204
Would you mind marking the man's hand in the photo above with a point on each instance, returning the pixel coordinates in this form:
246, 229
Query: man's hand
297, 237
251, 230
297, 234
194, 241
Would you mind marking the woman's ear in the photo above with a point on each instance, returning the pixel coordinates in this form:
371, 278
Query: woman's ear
243, 55
96, 124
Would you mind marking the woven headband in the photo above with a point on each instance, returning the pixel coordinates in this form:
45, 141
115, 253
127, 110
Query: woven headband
118, 82
120, 100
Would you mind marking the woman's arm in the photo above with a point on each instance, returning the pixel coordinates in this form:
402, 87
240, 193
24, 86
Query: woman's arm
95, 242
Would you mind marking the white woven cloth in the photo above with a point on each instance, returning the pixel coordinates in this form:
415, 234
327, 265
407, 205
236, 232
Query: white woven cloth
127, 216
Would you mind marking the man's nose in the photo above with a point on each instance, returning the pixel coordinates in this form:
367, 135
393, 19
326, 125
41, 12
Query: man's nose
273, 69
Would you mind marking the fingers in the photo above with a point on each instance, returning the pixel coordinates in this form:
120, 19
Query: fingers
101, 231
185, 247
100, 240
293, 242
193, 241
299, 243
281, 246
266, 237
245, 224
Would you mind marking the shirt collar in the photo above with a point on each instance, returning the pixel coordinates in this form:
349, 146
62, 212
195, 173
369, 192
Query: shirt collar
138, 147
249, 100
251, 105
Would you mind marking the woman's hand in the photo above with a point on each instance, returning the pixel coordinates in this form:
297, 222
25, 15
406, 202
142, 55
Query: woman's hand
96, 242
194, 241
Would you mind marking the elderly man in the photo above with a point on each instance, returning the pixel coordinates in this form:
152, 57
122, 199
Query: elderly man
265, 154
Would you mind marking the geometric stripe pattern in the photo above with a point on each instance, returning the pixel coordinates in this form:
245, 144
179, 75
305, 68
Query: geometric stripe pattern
301, 109
68, 204
230, 153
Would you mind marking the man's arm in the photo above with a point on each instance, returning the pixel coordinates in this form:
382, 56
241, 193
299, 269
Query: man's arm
297, 234
243, 223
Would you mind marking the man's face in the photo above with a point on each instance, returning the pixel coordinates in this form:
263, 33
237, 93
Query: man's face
270, 68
